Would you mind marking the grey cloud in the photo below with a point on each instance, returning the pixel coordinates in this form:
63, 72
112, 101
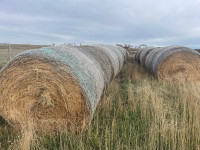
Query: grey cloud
127, 21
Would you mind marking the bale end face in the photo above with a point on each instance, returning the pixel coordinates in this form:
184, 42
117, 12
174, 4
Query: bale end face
41, 95
181, 67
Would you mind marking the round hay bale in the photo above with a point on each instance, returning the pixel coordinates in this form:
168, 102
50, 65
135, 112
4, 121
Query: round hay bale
119, 54
50, 89
124, 51
143, 55
92, 65
177, 64
102, 58
150, 57
113, 57
127, 55
137, 55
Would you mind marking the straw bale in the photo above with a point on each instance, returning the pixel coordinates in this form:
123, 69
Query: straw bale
113, 57
150, 58
124, 51
102, 58
57, 88
50, 89
120, 55
137, 54
143, 54
177, 64
92, 66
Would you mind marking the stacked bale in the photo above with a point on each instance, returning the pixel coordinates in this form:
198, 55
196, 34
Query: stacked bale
172, 63
56, 88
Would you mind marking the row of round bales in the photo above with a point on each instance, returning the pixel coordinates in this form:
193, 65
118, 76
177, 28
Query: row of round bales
177, 64
57, 88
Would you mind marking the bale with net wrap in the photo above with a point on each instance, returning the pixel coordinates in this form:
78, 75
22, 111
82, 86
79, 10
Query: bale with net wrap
102, 53
102, 58
51, 89
175, 63
137, 54
120, 55
143, 54
150, 57
113, 56
124, 51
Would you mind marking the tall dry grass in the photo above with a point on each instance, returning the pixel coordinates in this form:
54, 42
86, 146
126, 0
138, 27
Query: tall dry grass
171, 110
137, 112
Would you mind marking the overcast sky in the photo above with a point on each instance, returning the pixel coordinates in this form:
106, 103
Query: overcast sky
151, 22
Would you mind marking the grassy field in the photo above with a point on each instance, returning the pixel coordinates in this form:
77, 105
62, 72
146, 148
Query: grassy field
137, 112
16, 49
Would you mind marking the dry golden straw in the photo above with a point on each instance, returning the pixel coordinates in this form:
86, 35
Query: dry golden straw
54, 88
41, 94
174, 63
180, 67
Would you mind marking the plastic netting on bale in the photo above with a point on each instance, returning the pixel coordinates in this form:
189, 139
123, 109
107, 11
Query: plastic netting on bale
113, 57
51, 89
150, 58
124, 51
93, 67
120, 55
102, 58
143, 54
137, 54
55, 88
177, 64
